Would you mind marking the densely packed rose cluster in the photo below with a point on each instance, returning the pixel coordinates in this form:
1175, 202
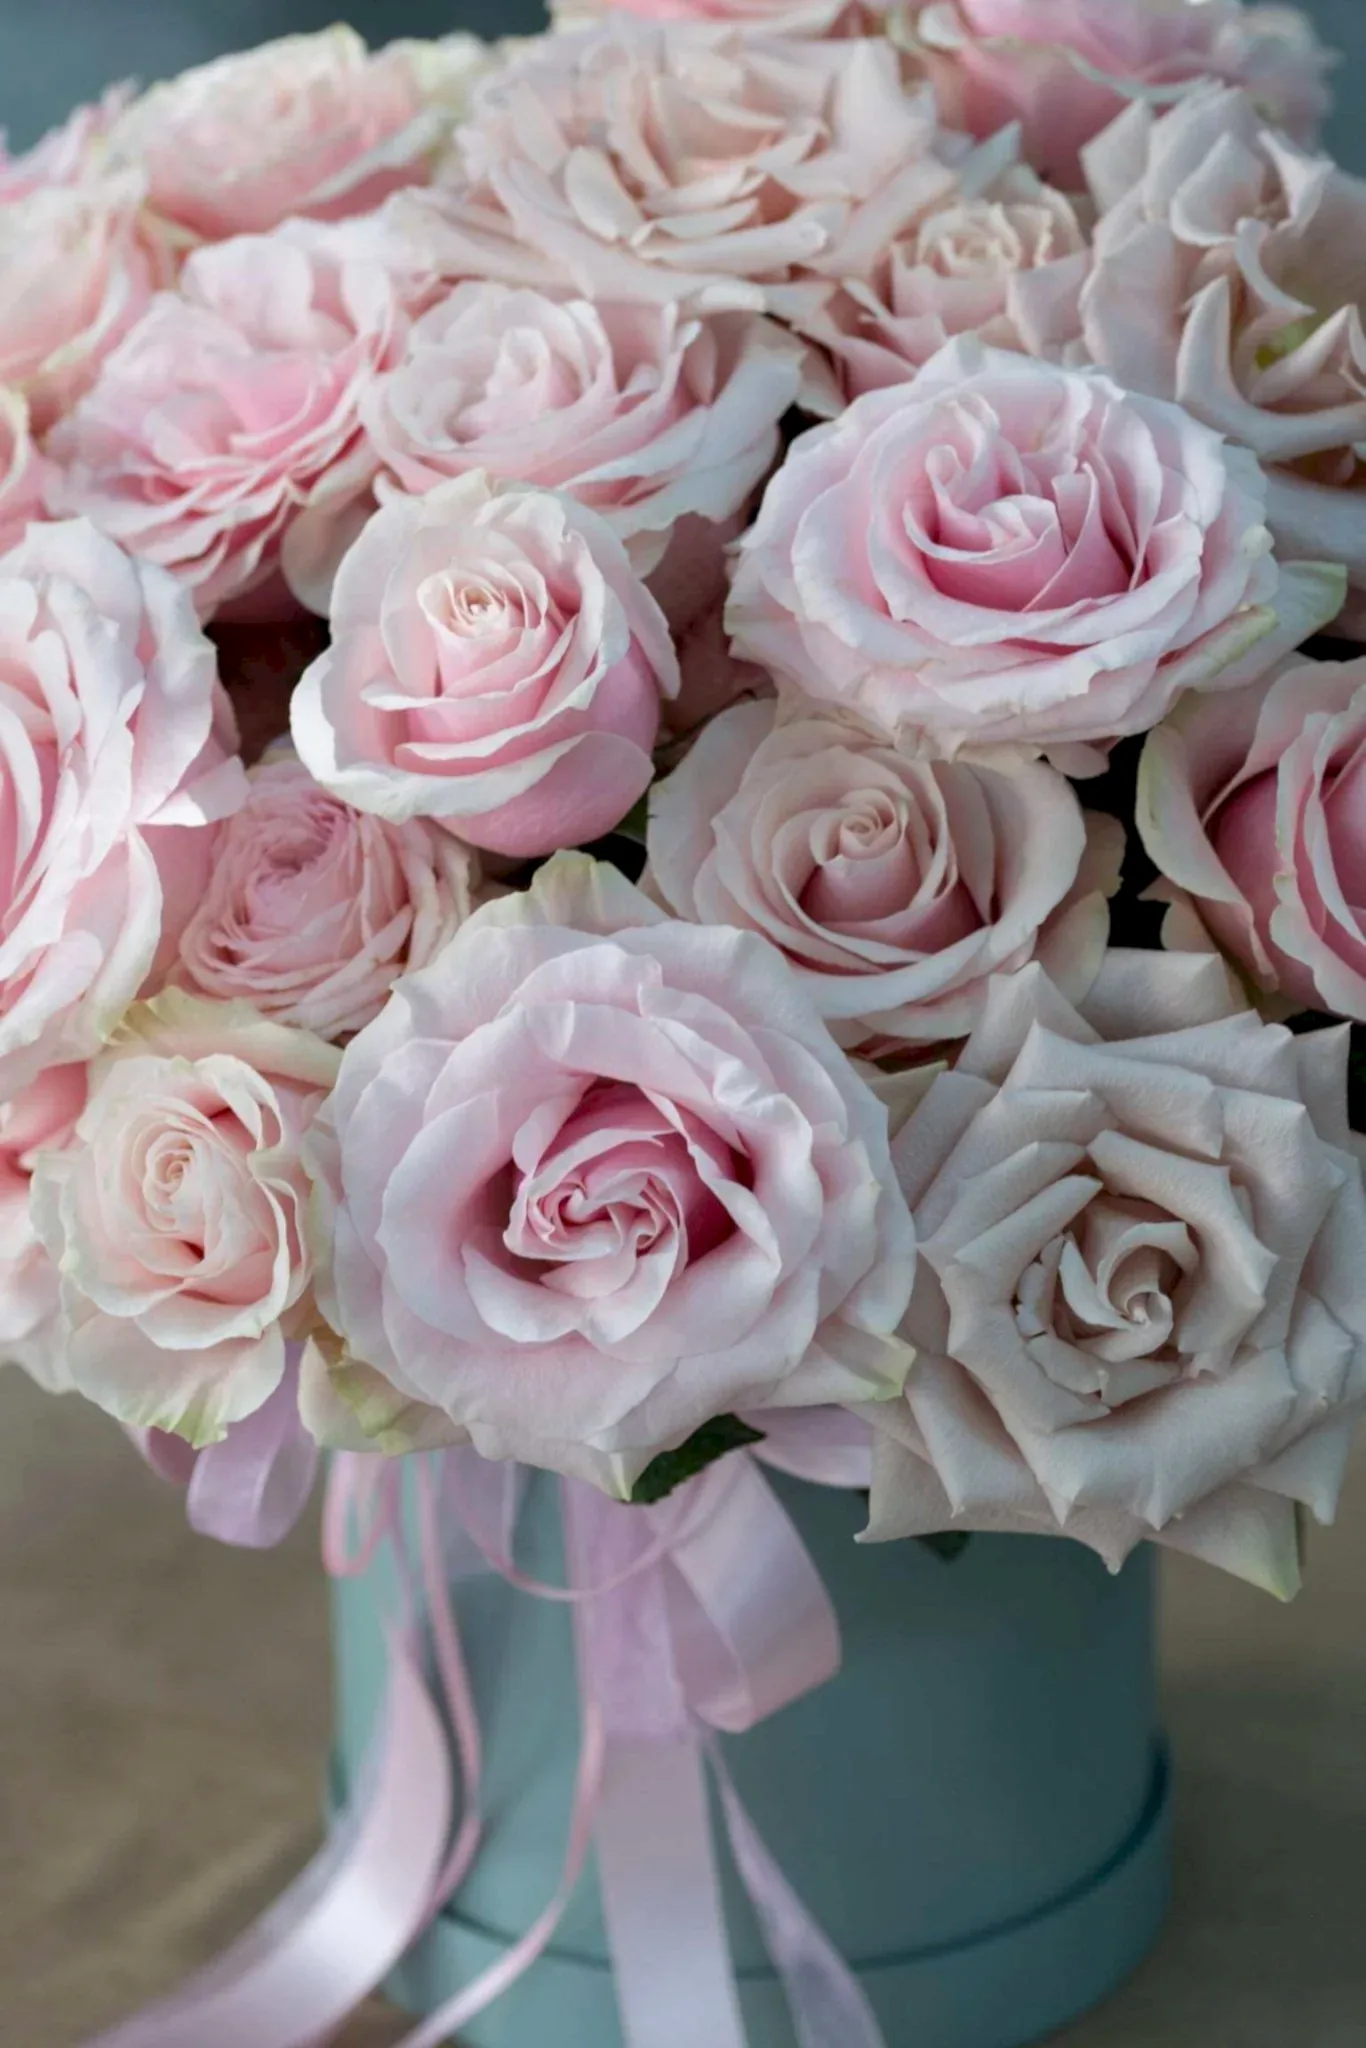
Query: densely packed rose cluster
745, 537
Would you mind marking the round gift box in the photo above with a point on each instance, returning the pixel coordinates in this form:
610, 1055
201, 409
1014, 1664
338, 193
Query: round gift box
975, 1809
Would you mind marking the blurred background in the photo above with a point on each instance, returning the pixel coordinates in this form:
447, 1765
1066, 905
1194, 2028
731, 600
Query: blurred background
50, 57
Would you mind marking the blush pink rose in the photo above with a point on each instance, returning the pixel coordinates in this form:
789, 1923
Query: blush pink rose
113, 748
687, 162
1138, 1308
76, 273
894, 887
40, 1118
772, 17
23, 471
1227, 276
1006, 265
175, 1215
1003, 550
586, 1188
1065, 68
313, 910
231, 414
645, 416
1255, 812
495, 665
311, 124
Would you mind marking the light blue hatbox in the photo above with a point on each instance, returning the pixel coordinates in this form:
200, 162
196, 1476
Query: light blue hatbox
975, 1810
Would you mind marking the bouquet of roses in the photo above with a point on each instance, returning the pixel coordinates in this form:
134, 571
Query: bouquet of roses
786, 531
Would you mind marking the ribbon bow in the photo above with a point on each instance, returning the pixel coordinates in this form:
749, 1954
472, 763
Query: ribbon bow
698, 1617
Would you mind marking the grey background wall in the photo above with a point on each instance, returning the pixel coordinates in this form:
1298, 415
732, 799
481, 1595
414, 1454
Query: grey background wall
55, 52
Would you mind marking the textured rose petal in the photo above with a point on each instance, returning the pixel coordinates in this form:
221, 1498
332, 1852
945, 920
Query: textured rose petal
495, 665
1136, 1311
588, 1187
895, 887
1007, 551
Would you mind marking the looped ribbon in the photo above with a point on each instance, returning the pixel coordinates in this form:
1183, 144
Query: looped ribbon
695, 1618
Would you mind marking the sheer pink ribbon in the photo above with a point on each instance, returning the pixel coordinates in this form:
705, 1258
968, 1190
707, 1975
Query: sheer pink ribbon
703, 1614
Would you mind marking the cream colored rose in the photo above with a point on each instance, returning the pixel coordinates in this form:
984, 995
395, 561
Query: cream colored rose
175, 1215
1138, 1308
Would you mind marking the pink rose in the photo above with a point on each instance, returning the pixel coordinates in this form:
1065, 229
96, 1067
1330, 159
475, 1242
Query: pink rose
1226, 276
1007, 551
75, 274
114, 740
687, 162
1006, 265
773, 17
640, 414
313, 910
587, 1187
175, 1215
1065, 68
67, 154
895, 887
1256, 810
1138, 1308
311, 124
23, 472
39, 1118
495, 664
231, 414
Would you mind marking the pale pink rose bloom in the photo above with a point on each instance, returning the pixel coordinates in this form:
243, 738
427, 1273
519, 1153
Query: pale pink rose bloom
687, 162
589, 1184
1065, 68
312, 124
76, 273
1006, 551
114, 749
68, 153
1255, 809
640, 413
313, 909
40, 1118
1006, 264
1138, 1308
175, 1215
772, 17
894, 887
495, 665
1228, 275
23, 471
231, 414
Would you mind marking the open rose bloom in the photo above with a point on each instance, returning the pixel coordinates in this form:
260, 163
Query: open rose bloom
740, 532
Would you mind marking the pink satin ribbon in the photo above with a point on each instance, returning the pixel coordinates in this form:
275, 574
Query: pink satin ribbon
344, 1924
250, 1489
702, 1614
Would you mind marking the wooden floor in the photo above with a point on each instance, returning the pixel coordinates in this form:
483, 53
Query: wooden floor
163, 1713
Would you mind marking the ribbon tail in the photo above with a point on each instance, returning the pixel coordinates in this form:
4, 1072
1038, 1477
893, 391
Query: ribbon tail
342, 1926
662, 1900
825, 1999
251, 1489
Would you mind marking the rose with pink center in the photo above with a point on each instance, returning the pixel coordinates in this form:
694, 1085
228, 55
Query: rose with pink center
496, 665
226, 429
40, 1118
1004, 550
587, 1188
895, 887
313, 909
